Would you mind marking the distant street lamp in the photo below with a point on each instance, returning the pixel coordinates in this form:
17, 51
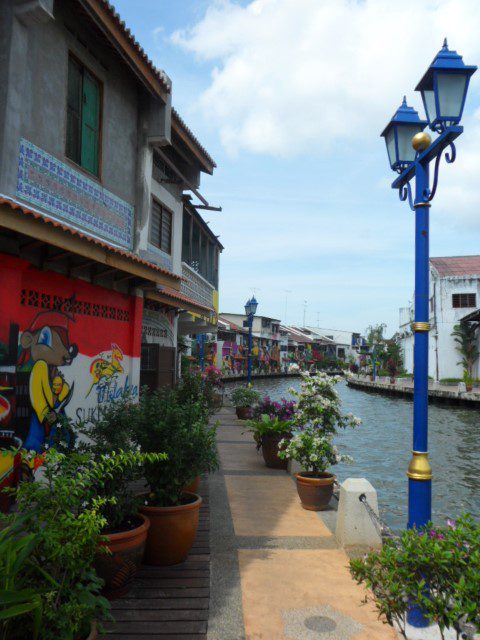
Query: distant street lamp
250, 310
410, 151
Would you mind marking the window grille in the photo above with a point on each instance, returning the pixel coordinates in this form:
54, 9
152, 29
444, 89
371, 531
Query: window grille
464, 300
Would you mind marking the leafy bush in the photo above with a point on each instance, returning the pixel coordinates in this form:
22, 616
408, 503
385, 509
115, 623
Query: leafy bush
244, 397
213, 377
313, 451
54, 570
392, 367
435, 568
170, 419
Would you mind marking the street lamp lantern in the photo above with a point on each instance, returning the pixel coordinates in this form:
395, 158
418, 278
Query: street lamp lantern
398, 135
250, 310
251, 307
444, 89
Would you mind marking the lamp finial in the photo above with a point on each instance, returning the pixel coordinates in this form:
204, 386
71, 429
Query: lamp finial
404, 103
445, 45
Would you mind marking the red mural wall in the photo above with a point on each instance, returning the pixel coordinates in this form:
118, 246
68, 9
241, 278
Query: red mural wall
66, 348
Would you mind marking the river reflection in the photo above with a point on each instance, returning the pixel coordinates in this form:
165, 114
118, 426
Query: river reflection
381, 448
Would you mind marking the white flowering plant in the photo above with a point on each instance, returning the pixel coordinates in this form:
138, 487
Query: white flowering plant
317, 419
319, 405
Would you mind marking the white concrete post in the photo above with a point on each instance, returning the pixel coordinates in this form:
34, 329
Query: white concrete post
354, 524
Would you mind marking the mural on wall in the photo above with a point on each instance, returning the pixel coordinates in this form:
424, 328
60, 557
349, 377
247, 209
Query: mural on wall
66, 349
45, 346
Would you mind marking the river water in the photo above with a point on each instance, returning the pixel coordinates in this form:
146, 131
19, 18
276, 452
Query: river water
381, 448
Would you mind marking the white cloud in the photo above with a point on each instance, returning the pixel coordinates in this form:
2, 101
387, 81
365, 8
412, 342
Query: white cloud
295, 75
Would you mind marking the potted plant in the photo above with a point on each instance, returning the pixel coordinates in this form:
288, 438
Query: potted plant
316, 421
444, 558
268, 432
189, 442
244, 398
213, 379
468, 380
50, 589
392, 369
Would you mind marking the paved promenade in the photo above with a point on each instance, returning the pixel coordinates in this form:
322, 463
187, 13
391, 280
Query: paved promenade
277, 572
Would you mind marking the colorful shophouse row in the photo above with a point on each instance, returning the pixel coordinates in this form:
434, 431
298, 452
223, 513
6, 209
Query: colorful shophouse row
94, 166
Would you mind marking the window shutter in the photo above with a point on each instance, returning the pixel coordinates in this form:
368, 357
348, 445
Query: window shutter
90, 123
166, 230
74, 111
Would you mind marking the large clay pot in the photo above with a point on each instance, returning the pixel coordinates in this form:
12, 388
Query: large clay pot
270, 451
315, 490
243, 413
172, 531
193, 486
119, 567
217, 399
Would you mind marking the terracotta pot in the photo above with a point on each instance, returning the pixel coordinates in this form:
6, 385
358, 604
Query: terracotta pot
270, 452
172, 531
193, 486
119, 567
392, 380
217, 399
243, 413
469, 387
315, 490
93, 635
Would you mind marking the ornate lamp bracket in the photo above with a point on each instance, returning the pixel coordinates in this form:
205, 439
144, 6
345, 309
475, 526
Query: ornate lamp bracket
406, 193
428, 194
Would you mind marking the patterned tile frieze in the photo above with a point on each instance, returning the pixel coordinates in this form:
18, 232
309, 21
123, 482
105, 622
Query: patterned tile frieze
72, 197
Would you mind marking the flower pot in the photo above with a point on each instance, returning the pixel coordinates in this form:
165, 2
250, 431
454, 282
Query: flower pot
172, 531
193, 486
270, 452
469, 387
243, 413
119, 567
93, 635
392, 380
217, 400
315, 489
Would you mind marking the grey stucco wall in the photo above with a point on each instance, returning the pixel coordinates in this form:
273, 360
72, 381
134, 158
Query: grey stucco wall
35, 106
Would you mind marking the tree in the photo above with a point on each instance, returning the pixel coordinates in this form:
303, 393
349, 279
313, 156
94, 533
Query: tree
375, 334
465, 335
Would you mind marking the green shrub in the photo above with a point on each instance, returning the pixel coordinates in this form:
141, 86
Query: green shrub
267, 426
435, 568
244, 397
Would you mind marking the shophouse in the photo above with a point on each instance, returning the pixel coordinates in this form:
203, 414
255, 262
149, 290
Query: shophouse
94, 162
454, 298
266, 339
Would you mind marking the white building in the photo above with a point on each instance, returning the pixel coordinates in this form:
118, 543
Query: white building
454, 294
348, 344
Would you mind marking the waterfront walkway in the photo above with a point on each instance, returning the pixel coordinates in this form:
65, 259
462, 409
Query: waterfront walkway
277, 572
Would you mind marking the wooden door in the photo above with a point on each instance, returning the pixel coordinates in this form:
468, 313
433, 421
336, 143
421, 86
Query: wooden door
157, 366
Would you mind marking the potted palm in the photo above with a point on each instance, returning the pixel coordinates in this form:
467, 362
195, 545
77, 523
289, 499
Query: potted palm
189, 442
316, 421
118, 467
244, 399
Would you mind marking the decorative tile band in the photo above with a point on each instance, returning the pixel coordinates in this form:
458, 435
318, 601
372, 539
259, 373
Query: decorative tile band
72, 197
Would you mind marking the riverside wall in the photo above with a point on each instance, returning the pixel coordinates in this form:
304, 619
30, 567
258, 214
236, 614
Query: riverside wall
403, 388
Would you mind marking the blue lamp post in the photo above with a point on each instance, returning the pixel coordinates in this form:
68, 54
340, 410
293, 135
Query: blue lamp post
202, 351
410, 151
250, 310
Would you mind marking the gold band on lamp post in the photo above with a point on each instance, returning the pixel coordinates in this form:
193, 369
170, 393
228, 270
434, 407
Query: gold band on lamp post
419, 467
421, 326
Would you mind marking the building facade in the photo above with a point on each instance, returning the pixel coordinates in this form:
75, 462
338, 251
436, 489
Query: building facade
94, 163
454, 295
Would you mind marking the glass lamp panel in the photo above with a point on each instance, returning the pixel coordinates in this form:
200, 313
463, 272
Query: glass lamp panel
430, 106
390, 140
406, 153
451, 88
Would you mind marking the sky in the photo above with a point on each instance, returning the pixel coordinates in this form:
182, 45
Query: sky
290, 98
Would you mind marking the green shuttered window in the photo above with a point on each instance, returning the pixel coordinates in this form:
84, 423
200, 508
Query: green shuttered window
83, 117
161, 227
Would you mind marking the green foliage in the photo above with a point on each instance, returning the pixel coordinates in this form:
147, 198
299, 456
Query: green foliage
465, 335
64, 532
375, 333
244, 397
436, 568
268, 426
193, 388
172, 419
312, 450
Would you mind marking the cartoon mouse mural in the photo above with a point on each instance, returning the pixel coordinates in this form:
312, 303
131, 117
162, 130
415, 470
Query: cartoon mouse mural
46, 343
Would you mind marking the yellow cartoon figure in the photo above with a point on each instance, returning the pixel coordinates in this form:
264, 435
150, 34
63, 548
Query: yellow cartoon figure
106, 368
